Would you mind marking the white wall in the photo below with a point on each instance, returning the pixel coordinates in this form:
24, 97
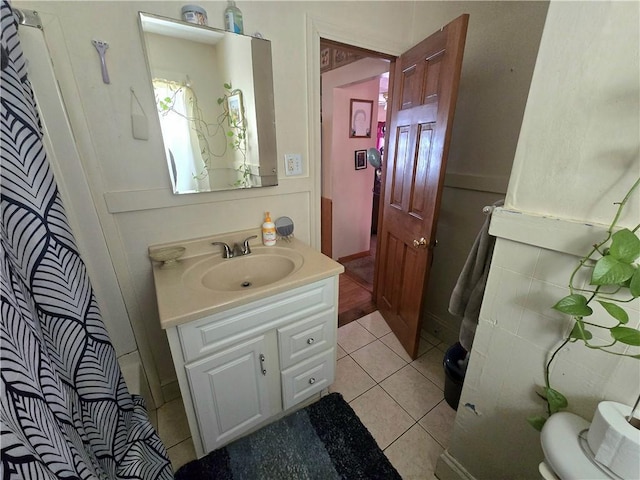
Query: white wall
128, 178
578, 152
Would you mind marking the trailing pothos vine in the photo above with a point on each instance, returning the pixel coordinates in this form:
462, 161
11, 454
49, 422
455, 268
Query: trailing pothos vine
615, 281
232, 126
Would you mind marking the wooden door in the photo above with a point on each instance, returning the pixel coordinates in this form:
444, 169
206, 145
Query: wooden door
425, 85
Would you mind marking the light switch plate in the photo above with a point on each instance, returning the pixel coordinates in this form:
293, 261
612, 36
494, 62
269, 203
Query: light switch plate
292, 164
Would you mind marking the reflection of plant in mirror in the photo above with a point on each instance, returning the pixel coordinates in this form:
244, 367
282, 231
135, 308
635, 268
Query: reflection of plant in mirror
235, 115
615, 281
230, 124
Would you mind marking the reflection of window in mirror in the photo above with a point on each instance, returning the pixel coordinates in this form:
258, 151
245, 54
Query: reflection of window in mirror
175, 105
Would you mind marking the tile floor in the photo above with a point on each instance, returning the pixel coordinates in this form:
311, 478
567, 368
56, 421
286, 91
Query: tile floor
400, 401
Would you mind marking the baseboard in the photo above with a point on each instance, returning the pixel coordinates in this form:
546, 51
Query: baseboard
440, 328
448, 468
355, 256
135, 378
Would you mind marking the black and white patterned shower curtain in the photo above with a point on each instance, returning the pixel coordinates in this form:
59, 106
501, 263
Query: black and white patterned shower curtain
66, 411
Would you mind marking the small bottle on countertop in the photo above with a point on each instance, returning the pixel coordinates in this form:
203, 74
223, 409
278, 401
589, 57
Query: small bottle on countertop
268, 231
233, 18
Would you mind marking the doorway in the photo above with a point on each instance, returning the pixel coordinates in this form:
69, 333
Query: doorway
350, 193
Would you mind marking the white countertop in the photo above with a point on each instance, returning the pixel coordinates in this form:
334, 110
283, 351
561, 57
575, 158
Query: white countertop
180, 303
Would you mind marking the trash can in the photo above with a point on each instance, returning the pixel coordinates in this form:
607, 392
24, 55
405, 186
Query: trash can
454, 370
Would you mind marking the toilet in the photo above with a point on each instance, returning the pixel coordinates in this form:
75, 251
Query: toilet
566, 451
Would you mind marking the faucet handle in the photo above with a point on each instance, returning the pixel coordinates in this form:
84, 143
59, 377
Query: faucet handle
227, 250
246, 250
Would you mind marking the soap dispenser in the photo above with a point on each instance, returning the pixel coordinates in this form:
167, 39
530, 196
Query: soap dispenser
268, 231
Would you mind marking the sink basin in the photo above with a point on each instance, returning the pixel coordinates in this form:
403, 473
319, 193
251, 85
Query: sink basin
263, 267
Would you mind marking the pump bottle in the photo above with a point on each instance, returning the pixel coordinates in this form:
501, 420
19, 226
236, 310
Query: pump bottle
268, 231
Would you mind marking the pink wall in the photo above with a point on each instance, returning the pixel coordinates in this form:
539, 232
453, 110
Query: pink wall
352, 189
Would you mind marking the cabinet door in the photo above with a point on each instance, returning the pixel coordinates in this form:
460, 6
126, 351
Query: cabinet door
230, 391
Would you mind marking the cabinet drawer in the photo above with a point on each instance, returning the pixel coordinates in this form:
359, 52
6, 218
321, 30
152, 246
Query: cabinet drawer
306, 338
307, 378
201, 337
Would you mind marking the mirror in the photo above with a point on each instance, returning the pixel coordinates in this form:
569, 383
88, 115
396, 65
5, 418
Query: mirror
214, 99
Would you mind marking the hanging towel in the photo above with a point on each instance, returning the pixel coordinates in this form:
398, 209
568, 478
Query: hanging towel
466, 297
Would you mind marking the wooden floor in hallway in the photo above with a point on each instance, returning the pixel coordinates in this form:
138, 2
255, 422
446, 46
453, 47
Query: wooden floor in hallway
355, 301
356, 287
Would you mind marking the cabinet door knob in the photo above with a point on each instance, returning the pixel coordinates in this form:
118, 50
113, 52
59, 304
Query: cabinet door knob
264, 370
312, 381
310, 341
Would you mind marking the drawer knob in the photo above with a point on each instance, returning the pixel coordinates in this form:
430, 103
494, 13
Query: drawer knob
312, 381
310, 341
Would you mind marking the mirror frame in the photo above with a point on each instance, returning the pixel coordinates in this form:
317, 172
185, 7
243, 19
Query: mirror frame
264, 161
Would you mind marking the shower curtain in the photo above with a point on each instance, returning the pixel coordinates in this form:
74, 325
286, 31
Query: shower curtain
66, 411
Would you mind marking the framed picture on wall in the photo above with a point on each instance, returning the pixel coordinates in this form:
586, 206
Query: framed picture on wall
360, 118
235, 109
361, 159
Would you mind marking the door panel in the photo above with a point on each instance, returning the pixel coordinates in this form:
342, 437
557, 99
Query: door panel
425, 83
230, 392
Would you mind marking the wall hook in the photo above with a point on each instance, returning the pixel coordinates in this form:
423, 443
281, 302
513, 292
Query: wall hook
101, 47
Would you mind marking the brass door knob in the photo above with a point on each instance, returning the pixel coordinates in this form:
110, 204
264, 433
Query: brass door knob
422, 243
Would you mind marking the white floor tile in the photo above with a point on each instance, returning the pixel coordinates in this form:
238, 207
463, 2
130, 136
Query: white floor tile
375, 323
382, 416
414, 454
391, 341
430, 365
413, 391
172, 423
351, 380
378, 360
354, 336
181, 454
439, 423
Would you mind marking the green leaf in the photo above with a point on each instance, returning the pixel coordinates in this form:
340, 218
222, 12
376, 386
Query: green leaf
625, 246
579, 332
615, 311
626, 335
610, 271
556, 400
574, 304
536, 421
634, 284
227, 86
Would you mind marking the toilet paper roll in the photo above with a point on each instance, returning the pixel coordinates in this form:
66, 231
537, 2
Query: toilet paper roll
614, 441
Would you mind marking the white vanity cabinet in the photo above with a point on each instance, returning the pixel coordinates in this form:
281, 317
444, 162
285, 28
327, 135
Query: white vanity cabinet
246, 366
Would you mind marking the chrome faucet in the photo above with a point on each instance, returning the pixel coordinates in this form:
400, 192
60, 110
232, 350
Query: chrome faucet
227, 253
239, 249
244, 249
